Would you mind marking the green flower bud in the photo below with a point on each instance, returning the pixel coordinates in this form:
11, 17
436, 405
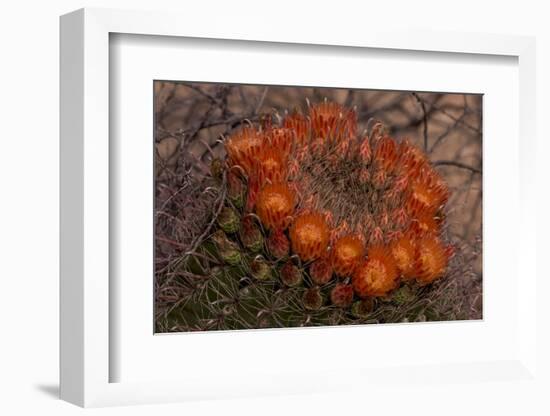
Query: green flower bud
291, 275
235, 190
320, 271
227, 249
313, 299
403, 295
278, 244
216, 168
220, 239
342, 295
231, 254
251, 236
362, 308
260, 269
228, 220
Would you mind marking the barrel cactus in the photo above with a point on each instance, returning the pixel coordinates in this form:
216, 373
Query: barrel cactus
315, 224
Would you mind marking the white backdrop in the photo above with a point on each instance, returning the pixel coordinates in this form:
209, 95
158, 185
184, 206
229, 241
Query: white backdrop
29, 184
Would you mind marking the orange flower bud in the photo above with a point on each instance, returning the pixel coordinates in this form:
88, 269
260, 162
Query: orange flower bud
332, 122
271, 166
403, 250
275, 206
346, 254
431, 261
377, 275
309, 235
243, 148
385, 154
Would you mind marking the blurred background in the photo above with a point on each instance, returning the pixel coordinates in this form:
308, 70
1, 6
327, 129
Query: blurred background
191, 118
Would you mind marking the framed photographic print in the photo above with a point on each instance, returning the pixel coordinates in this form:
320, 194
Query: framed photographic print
286, 213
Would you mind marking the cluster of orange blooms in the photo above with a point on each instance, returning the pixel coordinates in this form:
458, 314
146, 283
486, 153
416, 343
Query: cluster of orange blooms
396, 237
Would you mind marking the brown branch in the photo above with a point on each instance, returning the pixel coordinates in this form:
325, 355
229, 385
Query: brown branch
210, 97
456, 165
449, 130
261, 101
424, 119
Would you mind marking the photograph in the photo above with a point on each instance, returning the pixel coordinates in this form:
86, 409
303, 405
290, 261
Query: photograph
299, 206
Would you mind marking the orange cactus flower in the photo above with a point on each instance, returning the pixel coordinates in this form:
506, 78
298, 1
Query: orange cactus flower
275, 206
346, 254
431, 259
331, 121
244, 147
377, 275
309, 235
317, 146
425, 223
427, 195
299, 124
403, 250
271, 166
252, 195
413, 160
385, 154
365, 151
439, 186
281, 139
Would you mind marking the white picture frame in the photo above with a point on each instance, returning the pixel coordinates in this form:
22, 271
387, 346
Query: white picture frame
85, 212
